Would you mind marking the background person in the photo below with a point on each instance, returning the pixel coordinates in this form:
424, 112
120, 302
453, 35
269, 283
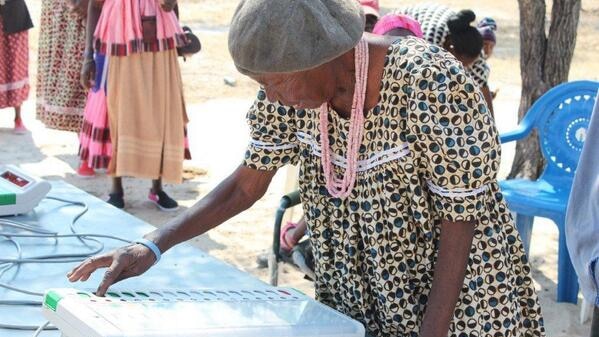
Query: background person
144, 92
14, 58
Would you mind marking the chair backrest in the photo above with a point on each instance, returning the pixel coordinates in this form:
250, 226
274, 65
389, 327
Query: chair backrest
562, 116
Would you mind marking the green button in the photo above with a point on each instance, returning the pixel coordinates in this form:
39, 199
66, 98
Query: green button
51, 300
84, 295
7, 197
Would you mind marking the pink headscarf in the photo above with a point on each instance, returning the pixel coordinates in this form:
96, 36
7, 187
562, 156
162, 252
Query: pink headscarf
393, 21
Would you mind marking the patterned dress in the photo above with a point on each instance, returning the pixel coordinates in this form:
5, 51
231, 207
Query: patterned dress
433, 20
60, 96
479, 71
430, 152
14, 72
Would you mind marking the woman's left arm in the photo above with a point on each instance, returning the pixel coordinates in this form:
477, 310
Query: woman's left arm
449, 271
480, 72
488, 98
455, 134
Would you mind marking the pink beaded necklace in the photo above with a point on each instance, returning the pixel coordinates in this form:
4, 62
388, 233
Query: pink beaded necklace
341, 188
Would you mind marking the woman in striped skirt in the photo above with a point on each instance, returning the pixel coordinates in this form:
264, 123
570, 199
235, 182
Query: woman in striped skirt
143, 91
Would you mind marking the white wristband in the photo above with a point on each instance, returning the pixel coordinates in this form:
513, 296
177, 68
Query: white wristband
152, 246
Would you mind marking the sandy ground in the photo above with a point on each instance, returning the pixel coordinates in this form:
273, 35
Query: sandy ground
218, 136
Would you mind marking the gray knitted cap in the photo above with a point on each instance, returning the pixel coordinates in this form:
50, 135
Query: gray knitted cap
282, 36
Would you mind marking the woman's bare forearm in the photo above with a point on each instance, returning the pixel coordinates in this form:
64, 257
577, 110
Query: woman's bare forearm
450, 269
93, 15
235, 194
488, 98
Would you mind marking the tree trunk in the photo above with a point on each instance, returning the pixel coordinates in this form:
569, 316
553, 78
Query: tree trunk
544, 63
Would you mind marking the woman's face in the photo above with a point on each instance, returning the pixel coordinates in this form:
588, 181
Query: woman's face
488, 48
302, 90
371, 21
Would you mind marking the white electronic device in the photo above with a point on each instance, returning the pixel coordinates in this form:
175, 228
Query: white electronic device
274, 312
19, 191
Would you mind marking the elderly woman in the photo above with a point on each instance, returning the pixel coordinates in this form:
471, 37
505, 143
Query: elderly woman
398, 158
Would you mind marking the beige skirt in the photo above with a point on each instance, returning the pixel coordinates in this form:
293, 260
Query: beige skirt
147, 117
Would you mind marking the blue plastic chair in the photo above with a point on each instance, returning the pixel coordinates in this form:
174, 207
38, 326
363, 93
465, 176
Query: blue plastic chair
561, 117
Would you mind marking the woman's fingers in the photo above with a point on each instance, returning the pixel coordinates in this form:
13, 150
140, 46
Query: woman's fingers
82, 81
92, 76
123, 263
88, 267
77, 6
88, 78
76, 271
73, 4
110, 276
168, 5
85, 269
83, 8
88, 73
85, 80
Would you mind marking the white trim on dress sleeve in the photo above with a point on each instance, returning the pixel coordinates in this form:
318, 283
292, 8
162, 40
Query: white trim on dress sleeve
271, 146
456, 192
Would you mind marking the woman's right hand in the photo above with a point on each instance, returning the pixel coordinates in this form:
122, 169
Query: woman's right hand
88, 74
168, 5
123, 263
79, 7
